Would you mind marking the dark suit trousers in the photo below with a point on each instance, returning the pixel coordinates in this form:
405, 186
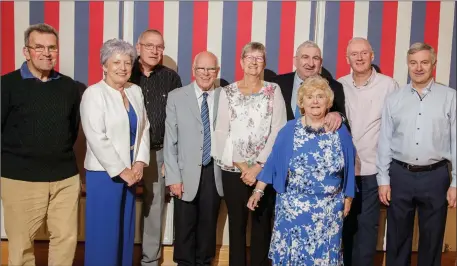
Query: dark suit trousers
236, 196
425, 191
196, 222
360, 230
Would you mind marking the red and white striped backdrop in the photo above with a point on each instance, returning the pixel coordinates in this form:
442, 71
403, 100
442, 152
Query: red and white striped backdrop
223, 27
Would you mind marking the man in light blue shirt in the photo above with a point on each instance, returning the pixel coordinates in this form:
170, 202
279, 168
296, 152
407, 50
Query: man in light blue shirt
416, 142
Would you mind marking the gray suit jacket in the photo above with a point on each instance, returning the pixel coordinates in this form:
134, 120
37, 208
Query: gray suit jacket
184, 141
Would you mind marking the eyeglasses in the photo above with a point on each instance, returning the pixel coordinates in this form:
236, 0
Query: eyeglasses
150, 47
251, 58
202, 70
41, 49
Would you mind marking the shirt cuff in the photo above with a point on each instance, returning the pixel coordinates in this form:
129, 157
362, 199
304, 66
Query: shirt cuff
382, 180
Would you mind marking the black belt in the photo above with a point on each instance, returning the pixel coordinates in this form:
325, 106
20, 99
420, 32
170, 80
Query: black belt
421, 168
156, 147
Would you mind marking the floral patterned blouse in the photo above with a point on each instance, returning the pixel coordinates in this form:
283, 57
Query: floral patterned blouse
247, 125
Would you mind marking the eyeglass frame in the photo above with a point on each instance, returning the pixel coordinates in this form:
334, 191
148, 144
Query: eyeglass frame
210, 70
38, 48
251, 58
151, 46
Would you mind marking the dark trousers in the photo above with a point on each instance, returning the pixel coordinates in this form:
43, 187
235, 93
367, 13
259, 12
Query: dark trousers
236, 195
425, 191
360, 230
196, 223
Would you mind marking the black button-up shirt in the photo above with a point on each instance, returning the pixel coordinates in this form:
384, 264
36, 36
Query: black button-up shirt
155, 89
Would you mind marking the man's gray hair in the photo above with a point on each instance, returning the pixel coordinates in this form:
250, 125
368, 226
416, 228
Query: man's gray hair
358, 39
114, 46
308, 44
41, 28
420, 46
154, 31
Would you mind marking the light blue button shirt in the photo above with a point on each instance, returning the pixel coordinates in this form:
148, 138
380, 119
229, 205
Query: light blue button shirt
418, 130
293, 101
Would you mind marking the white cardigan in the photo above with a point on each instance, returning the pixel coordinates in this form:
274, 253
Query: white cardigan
106, 127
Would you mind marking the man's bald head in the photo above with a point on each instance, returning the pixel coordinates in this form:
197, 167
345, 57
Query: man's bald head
205, 70
205, 55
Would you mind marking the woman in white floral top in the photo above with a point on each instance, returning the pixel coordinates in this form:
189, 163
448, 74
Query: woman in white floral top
250, 114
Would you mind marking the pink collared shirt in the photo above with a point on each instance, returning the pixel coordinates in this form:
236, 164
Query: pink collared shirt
363, 109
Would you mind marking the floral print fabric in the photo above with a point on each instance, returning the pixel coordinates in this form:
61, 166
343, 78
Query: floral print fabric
309, 215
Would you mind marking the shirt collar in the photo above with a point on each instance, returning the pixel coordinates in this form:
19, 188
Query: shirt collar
26, 74
199, 92
426, 90
297, 79
369, 80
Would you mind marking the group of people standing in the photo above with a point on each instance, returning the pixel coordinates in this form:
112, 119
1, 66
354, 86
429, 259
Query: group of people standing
313, 158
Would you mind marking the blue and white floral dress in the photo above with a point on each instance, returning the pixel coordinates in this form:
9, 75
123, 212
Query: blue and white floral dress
309, 215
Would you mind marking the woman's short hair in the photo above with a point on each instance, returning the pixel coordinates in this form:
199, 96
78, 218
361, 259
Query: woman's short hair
311, 85
254, 46
113, 46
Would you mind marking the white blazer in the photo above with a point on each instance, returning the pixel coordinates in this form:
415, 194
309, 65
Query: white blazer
106, 126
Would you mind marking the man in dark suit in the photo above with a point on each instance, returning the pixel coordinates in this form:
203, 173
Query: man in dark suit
308, 62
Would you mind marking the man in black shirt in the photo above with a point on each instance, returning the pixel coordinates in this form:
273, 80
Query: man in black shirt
156, 80
40, 180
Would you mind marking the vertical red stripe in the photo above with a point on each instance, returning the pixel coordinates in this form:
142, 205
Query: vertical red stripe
388, 37
243, 33
345, 30
286, 39
7, 36
95, 41
156, 11
51, 17
432, 25
200, 29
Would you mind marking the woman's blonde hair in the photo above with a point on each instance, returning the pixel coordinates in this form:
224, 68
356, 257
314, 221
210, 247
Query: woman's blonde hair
311, 85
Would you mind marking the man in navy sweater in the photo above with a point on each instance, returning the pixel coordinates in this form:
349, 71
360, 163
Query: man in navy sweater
39, 175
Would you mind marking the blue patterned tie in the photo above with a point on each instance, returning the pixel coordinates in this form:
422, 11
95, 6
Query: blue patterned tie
206, 158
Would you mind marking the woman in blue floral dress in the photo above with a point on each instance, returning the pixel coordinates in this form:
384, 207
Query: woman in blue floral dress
312, 171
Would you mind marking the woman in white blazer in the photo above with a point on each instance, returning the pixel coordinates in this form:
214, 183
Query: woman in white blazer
116, 127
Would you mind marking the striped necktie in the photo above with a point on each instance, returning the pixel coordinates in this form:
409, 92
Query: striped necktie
206, 157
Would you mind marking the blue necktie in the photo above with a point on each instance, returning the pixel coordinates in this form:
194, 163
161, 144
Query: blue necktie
206, 157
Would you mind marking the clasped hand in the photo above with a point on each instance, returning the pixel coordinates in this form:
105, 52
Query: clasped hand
249, 174
134, 175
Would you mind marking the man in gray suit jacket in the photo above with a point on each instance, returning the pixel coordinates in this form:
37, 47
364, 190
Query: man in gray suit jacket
193, 178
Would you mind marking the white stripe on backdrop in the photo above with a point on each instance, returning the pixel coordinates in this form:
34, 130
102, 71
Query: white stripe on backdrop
67, 38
